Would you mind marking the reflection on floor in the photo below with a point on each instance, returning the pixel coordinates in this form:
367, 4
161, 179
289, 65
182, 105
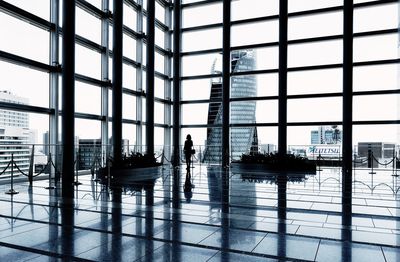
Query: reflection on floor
211, 216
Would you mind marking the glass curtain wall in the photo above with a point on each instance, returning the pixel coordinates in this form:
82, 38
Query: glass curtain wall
314, 81
315, 38
32, 75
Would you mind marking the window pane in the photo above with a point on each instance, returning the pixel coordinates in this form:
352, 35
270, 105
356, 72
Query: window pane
129, 47
130, 17
376, 107
196, 89
87, 98
243, 86
256, 59
34, 85
158, 113
315, 25
266, 85
314, 109
129, 77
303, 136
129, 107
267, 111
245, 9
201, 64
87, 129
202, 15
302, 5
16, 34
88, 26
375, 48
318, 53
242, 112
376, 18
195, 41
194, 114
159, 87
159, 38
160, 13
376, 133
129, 135
40, 8
159, 61
255, 33
87, 62
375, 77
315, 81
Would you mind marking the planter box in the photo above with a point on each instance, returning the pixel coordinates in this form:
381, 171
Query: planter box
131, 175
264, 169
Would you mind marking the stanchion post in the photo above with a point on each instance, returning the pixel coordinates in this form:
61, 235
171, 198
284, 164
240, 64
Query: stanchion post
50, 168
99, 165
12, 191
31, 164
319, 162
371, 155
77, 183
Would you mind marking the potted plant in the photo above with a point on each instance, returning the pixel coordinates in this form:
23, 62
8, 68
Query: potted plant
131, 168
273, 163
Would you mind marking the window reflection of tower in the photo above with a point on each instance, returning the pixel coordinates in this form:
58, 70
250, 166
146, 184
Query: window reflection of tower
240, 112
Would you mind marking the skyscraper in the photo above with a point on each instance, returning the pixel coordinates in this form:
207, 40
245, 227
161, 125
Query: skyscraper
242, 112
14, 134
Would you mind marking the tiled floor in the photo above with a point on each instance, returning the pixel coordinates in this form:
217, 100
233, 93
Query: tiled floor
224, 217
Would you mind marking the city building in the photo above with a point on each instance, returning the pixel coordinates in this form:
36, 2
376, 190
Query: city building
240, 112
15, 136
326, 135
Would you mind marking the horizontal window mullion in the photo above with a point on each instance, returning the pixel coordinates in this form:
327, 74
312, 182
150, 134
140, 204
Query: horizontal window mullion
201, 52
129, 121
376, 122
377, 62
254, 125
87, 116
90, 80
201, 126
377, 92
25, 108
22, 61
163, 101
255, 72
200, 3
88, 44
304, 96
257, 98
255, 20
253, 46
200, 27
374, 3
200, 76
316, 123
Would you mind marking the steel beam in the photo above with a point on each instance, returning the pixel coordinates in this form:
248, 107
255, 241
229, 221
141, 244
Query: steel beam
117, 82
68, 98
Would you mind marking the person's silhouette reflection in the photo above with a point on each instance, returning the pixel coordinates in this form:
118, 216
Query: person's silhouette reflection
188, 186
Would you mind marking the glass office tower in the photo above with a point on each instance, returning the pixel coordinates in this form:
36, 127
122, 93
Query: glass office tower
245, 111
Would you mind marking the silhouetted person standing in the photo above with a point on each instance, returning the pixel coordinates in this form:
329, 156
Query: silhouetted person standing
188, 151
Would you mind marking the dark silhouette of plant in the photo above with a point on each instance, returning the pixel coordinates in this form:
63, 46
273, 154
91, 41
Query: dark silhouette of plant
136, 160
273, 161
